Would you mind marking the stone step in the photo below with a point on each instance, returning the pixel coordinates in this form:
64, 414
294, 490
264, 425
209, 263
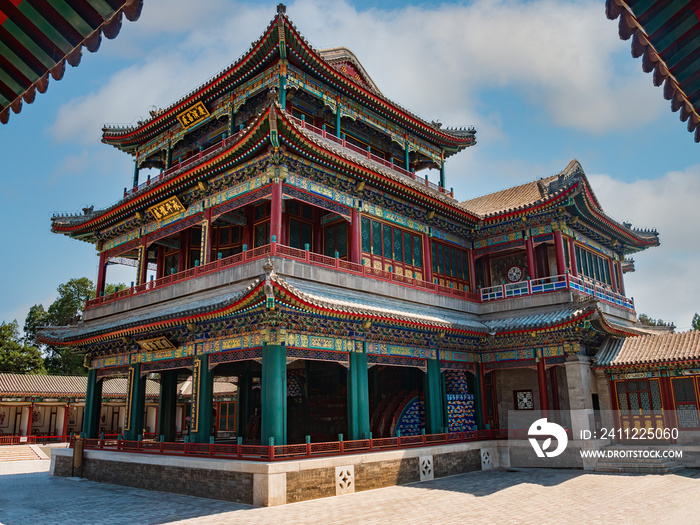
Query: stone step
17, 453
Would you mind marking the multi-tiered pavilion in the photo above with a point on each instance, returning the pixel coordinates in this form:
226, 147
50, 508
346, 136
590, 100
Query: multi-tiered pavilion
291, 240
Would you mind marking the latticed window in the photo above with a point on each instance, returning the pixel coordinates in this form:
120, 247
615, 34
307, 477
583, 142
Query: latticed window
592, 266
300, 234
226, 241
227, 416
335, 238
450, 265
262, 234
261, 229
686, 402
385, 246
300, 224
639, 397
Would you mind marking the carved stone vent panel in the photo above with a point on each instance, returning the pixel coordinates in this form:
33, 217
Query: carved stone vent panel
344, 480
426, 468
487, 459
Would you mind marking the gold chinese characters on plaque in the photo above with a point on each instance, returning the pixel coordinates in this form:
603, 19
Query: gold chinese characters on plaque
167, 208
158, 343
193, 115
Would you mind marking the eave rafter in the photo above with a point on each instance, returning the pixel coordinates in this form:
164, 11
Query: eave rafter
38, 38
665, 35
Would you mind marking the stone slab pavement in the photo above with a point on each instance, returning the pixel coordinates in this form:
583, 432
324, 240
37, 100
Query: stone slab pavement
528, 496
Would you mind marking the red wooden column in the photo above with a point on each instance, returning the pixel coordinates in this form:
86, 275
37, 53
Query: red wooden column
486, 261
143, 261
317, 246
555, 388
160, 261
427, 259
29, 419
613, 274
207, 229
667, 402
249, 227
531, 265
184, 248
276, 212
472, 271
355, 236
572, 256
542, 385
620, 278
101, 274
614, 403
64, 432
559, 248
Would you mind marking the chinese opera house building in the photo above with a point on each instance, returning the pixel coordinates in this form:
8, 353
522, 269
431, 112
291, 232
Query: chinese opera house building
293, 241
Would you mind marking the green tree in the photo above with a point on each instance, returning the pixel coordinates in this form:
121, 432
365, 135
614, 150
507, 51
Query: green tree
16, 356
649, 321
695, 324
67, 309
69, 305
36, 318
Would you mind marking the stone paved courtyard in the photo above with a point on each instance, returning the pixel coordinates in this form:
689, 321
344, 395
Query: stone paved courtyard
29, 495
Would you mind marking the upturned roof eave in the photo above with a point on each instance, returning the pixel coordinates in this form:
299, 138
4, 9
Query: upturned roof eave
167, 117
452, 141
126, 206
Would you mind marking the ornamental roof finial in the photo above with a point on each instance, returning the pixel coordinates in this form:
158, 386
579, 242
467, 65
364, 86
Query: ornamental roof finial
281, 9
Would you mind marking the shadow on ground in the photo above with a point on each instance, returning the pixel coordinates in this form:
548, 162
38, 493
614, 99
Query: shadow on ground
38, 498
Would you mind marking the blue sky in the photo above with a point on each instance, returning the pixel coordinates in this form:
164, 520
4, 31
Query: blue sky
543, 81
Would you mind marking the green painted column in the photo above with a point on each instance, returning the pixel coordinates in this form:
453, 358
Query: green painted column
358, 397
135, 403
407, 159
93, 405
432, 393
136, 173
231, 123
243, 400
478, 404
338, 121
202, 400
283, 91
273, 397
167, 405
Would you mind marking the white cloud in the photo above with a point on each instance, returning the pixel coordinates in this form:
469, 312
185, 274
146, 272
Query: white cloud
564, 58
664, 284
438, 62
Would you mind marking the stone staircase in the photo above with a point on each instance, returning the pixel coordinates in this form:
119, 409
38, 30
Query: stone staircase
18, 453
637, 465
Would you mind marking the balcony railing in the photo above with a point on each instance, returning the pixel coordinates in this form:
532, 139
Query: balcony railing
287, 252
554, 283
300, 451
371, 156
195, 159
504, 291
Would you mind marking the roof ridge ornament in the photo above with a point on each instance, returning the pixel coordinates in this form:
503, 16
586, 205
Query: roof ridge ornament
281, 9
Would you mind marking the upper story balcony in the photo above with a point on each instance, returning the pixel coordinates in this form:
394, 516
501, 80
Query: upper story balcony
308, 265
